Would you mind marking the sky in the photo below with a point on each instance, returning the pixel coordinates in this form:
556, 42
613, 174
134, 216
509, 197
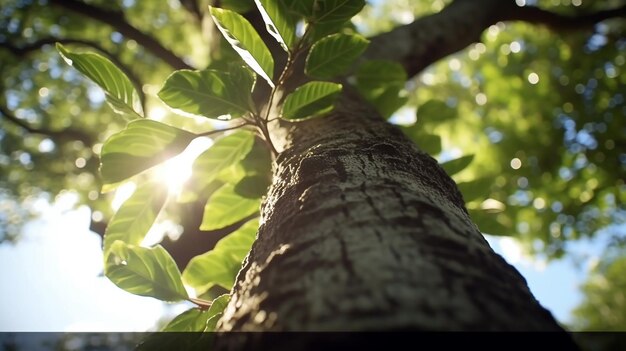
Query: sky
52, 279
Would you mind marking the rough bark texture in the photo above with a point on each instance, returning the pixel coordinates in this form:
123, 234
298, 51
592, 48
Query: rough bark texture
362, 231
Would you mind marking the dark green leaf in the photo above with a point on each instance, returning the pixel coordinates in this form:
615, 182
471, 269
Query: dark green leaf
489, 223
143, 144
279, 22
303, 8
133, 219
326, 11
389, 101
334, 54
376, 74
209, 93
246, 41
311, 99
119, 91
258, 160
435, 111
455, 166
220, 265
429, 143
226, 207
475, 189
239, 6
253, 187
144, 271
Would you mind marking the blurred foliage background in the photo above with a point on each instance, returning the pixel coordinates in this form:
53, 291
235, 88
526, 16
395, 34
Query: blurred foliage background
542, 113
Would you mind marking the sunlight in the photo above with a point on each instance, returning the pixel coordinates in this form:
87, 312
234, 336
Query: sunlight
122, 194
177, 170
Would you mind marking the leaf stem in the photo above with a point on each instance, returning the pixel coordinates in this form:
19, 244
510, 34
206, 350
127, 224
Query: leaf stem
203, 304
211, 132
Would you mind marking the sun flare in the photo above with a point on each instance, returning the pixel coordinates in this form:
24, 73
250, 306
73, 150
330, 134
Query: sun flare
177, 170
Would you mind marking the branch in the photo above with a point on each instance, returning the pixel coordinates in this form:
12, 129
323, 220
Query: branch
67, 134
193, 8
559, 22
460, 24
117, 21
22, 51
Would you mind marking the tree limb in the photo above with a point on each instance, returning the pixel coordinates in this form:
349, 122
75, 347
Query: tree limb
117, 21
431, 38
22, 51
66, 134
559, 22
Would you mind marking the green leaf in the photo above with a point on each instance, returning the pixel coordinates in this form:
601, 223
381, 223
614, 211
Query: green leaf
310, 99
133, 219
476, 189
226, 152
221, 265
489, 223
253, 187
209, 93
302, 8
192, 320
334, 55
388, 102
326, 11
119, 91
455, 166
239, 6
226, 207
216, 310
376, 74
279, 22
246, 41
144, 271
381, 82
429, 143
143, 144
435, 111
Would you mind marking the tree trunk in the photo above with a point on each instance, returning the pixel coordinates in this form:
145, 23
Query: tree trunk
362, 231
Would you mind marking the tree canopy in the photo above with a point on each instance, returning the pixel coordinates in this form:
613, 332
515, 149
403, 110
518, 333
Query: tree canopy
528, 120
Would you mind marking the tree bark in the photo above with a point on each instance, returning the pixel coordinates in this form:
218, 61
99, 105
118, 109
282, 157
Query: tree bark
362, 231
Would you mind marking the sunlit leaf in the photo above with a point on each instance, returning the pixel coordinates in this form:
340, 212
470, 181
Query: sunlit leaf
216, 310
192, 320
224, 153
209, 93
144, 271
226, 207
246, 41
455, 166
220, 265
311, 99
143, 144
435, 111
119, 91
334, 55
279, 22
133, 219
